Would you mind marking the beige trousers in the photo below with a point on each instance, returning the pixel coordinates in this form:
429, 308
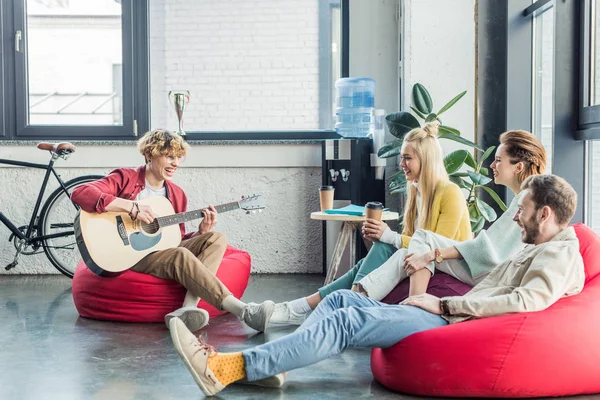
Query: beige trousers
193, 264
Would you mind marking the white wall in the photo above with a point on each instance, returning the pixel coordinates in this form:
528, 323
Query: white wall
282, 239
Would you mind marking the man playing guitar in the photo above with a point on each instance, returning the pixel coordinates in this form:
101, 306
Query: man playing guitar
195, 261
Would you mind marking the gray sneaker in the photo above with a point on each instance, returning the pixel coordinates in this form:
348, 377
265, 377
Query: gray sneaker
257, 316
195, 353
274, 381
193, 317
284, 315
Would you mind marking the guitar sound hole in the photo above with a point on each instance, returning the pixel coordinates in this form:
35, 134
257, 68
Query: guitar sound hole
150, 228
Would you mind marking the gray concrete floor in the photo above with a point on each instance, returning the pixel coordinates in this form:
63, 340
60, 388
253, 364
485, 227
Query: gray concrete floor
48, 352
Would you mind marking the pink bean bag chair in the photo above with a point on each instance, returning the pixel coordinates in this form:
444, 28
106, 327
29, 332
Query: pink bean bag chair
555, 352
137, 297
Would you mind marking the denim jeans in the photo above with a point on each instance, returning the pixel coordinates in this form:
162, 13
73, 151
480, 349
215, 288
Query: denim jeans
343, 319
378, 254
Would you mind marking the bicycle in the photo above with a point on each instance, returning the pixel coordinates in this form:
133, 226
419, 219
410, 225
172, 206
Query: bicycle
50, 231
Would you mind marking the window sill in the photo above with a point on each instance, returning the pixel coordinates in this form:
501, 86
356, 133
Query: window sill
111, 154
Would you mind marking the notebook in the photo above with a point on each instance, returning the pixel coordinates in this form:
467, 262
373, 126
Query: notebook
350, 209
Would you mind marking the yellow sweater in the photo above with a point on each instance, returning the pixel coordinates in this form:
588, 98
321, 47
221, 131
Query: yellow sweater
449, 214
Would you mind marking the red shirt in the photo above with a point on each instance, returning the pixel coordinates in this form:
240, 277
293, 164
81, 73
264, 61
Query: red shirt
125, 183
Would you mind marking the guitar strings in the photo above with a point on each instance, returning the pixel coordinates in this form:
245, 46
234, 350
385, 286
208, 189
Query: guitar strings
155, 224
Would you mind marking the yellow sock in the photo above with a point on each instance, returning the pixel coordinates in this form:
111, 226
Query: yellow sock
227, 367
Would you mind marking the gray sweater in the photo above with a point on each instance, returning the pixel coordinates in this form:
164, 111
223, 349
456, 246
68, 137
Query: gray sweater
531, 280
494, 245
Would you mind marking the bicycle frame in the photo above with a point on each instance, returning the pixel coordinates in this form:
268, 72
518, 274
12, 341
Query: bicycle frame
49, 169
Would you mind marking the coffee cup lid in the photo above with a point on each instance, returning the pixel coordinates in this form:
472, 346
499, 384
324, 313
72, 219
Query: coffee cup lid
374, 205
326, 188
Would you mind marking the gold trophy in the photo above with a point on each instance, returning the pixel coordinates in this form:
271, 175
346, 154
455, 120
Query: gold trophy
179, 100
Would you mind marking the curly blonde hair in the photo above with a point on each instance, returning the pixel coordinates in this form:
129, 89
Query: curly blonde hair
161, 142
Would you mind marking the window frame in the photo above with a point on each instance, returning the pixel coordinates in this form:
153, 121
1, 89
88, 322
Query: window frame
589, 116
569, 154
133, 91
136, 84
284, 135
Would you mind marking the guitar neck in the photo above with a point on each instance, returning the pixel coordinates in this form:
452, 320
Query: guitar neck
196, 214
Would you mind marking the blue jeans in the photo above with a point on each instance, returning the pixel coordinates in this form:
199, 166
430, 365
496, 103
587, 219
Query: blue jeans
378, 254
343, 319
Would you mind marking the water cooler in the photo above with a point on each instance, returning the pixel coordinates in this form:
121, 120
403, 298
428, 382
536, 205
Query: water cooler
348, 168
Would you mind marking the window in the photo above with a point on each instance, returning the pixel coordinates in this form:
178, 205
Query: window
249, 66
593, 186
73, 64
81, 69
71, 50
543, 80
589, 116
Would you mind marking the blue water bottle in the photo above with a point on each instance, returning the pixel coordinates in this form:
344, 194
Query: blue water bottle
355, 99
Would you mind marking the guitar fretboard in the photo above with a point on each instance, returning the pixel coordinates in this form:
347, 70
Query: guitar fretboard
196, 214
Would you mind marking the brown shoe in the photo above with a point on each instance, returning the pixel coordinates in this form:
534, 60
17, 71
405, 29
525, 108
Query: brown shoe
195, 352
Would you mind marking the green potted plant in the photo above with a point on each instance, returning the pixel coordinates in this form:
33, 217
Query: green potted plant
461, 166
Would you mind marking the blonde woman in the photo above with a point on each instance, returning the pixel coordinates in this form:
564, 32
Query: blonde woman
519, 156
433, 203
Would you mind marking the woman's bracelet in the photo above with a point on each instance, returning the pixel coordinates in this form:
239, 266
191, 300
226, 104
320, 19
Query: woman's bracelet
444, 306
134, 205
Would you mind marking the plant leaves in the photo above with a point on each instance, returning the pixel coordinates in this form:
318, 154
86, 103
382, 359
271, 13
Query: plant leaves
473, 210
419, 113
495, 196
401, 123
460, 182
397, 182
459, 174
390, 149
470, 161
478, 179
484, 171
448, 129
422, 99
431, 117
485, 155
399, 176
444, 133
455, 160
451, 103
477, 224
486, 211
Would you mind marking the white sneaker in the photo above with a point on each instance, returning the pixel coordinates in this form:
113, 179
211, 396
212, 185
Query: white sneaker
284, 315
193, 317
257, 316
274, 381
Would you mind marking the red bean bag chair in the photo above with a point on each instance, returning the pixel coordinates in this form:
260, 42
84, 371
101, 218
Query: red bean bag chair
555, 352
137, 297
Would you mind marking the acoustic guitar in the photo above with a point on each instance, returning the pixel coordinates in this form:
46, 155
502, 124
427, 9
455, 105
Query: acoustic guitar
111, 243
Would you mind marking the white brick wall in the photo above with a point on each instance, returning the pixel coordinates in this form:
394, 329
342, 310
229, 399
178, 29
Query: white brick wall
249, 65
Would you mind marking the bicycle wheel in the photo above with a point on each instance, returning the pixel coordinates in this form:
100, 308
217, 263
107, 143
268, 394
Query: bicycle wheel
57, 217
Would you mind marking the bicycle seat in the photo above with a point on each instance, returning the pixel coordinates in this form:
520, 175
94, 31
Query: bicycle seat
62, 148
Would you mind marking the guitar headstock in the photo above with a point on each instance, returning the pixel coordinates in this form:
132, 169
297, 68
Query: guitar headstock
252, 204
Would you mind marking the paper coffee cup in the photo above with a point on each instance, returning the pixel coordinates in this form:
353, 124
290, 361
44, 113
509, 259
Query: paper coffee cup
326, 197
374, 209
